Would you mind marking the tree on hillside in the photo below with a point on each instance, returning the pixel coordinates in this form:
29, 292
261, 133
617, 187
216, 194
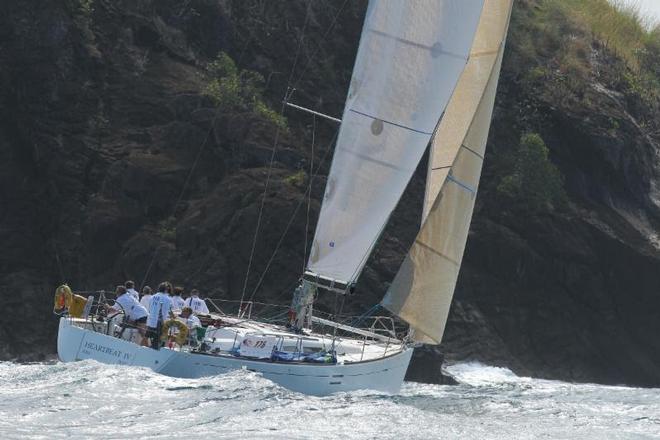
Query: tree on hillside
533, 182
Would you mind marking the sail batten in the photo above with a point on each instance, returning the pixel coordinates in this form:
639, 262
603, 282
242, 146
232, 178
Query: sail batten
410, 58
422, 290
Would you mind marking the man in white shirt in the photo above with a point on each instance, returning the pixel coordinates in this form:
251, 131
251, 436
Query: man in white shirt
177, 298
146, 297
191, 320
197, 304
135, 313
130, 289
160, 309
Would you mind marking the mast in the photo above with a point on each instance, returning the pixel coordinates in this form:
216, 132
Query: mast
422, 290
409, 61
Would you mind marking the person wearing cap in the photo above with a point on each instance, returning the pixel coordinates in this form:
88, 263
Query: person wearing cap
146, 297
130, 289
160, 309
135, 313
197, 304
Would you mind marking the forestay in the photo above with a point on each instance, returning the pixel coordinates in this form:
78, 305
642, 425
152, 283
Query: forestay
421, 292
410, 58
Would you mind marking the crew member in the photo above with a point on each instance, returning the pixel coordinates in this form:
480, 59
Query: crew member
177, 298
193, 323
197, 304
135, 313
146, 297
300, 311
189, 318
130, 289
160, 309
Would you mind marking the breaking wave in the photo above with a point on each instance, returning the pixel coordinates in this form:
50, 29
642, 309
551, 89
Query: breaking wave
87, 399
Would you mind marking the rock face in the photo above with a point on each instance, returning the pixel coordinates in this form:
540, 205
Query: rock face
115, 165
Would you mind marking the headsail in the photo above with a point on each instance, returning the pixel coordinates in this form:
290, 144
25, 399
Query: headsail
422, 290
410, 58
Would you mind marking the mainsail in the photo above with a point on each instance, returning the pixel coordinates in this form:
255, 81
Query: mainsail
410, 58
422, 290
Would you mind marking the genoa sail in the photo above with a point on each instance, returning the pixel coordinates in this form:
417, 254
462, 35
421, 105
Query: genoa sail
410, 58
422, 290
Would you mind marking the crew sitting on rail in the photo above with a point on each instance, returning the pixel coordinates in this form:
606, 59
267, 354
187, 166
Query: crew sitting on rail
135, 313
177, 298
160, 309
197, 304
130, 289
146, 297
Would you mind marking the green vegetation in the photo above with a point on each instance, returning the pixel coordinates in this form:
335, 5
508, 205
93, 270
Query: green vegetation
618, 25
86, 7
83, 8
297, 179
239, 90
533, 182
167, 229
561, 46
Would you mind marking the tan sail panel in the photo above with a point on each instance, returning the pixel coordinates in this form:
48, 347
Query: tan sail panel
422, 290
455, 123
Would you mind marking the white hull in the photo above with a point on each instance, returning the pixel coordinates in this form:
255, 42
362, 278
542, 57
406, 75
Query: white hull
384, 374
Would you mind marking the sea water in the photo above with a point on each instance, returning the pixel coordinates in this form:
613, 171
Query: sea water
91, 400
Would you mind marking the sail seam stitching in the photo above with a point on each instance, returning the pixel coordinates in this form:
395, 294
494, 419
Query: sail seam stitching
391, 123
461, 184
472, 151
371, 159
440, 168
484, 53
440, 254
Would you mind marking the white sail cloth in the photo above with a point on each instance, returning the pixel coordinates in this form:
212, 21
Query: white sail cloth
422, 290
410, 58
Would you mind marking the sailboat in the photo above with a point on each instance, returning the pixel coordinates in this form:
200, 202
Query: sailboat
425, 76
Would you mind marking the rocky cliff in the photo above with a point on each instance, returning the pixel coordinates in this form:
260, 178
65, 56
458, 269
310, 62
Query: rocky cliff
131, 149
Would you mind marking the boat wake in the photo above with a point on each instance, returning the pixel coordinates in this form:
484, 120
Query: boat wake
88, 399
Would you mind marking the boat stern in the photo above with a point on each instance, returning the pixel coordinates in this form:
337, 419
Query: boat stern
69, 338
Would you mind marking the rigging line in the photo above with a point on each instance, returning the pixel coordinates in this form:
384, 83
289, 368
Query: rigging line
59, 263
295, 212
309, 197
289, 91
183, 189
299, 48
272, 156
318, 46
337, 315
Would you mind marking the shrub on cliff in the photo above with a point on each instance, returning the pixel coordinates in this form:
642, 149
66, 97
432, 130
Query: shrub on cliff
558, 50
533, 182
233, 89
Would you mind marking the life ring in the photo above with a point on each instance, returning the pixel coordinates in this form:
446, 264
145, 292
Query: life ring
182, 335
